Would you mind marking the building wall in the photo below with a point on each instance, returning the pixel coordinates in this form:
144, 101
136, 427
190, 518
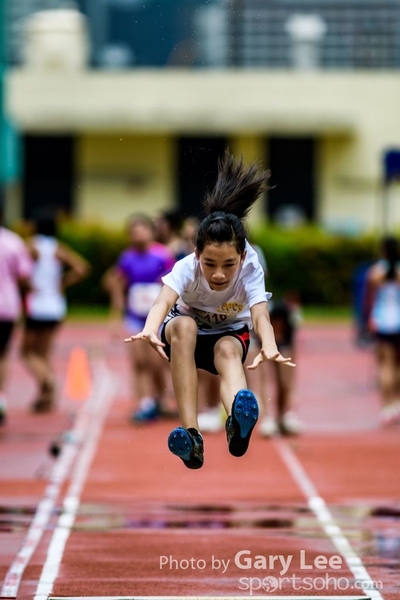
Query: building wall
253, 149
122, 174
127, 124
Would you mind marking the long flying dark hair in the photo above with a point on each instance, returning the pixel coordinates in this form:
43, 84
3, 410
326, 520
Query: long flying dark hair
236, 190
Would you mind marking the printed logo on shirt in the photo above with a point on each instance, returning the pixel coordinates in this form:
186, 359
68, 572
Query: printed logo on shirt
230, 308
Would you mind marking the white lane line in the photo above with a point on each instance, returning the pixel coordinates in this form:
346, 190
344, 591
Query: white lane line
206, 598
103, 394
46, 506
327, 522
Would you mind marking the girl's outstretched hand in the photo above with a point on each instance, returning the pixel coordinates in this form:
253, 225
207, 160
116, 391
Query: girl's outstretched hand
263, 356
152, 339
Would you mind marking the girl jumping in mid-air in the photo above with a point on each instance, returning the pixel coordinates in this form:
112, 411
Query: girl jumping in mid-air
207, 305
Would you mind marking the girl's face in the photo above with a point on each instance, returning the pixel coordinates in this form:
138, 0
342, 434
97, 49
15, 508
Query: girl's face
219, 264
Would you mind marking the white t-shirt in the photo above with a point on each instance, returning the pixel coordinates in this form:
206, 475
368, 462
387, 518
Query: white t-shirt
217, 311
46, 302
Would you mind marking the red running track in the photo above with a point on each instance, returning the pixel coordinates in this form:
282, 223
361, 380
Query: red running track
313, 516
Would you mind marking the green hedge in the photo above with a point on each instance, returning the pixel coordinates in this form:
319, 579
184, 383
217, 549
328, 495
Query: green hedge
101, 247
318, 265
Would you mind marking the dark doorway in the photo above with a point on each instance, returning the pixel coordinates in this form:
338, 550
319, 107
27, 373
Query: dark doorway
292, 164
49, 174
197, 170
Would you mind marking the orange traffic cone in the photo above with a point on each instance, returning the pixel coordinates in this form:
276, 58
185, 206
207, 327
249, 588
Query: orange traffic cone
78, 384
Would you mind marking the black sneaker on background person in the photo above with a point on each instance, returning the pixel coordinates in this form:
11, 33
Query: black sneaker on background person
240, 424
188, 445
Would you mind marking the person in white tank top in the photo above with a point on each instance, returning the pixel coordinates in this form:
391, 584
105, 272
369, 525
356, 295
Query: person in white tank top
47, 301
382, 310
56, 267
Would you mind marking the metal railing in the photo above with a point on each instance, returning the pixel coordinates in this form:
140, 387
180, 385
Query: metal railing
358, 34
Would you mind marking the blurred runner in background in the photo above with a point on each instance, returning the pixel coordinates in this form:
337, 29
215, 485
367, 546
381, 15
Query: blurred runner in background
280, 416
133, 284
382, 312
168, 224
15, 272
177, 231
55, 268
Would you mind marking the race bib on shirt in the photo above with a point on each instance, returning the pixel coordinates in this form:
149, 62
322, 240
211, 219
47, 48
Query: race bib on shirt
208, 320
141, 297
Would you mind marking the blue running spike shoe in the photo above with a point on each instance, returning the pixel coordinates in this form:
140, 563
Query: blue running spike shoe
188, 445
240, 424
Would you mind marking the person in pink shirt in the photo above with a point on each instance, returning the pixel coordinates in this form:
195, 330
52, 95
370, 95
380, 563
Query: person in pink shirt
15, 272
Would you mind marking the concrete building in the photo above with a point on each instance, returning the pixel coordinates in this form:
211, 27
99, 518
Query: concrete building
311, 103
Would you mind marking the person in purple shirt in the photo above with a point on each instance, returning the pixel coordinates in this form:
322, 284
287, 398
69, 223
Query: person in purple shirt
133, 284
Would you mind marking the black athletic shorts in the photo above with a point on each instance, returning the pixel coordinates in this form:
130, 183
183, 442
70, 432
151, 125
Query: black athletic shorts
390, 338
40, 324
6, 329
204, 351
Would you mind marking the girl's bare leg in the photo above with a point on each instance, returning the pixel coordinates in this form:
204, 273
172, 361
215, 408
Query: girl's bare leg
141, 361
285, 383
181, 334
211, 412
35, 352
163, 386
289, 423
3, 360
387, 367
228, 362
388, 375
243, 416
208, 391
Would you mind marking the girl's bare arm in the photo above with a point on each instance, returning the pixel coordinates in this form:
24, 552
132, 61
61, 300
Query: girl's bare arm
77, 267
263, 328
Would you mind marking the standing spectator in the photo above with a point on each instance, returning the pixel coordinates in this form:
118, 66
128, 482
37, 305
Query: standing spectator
363, 336
278, 416
133, 284
15, 272
187, 234
55, 267
282, 418
382, 311
168, 225
176, 231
